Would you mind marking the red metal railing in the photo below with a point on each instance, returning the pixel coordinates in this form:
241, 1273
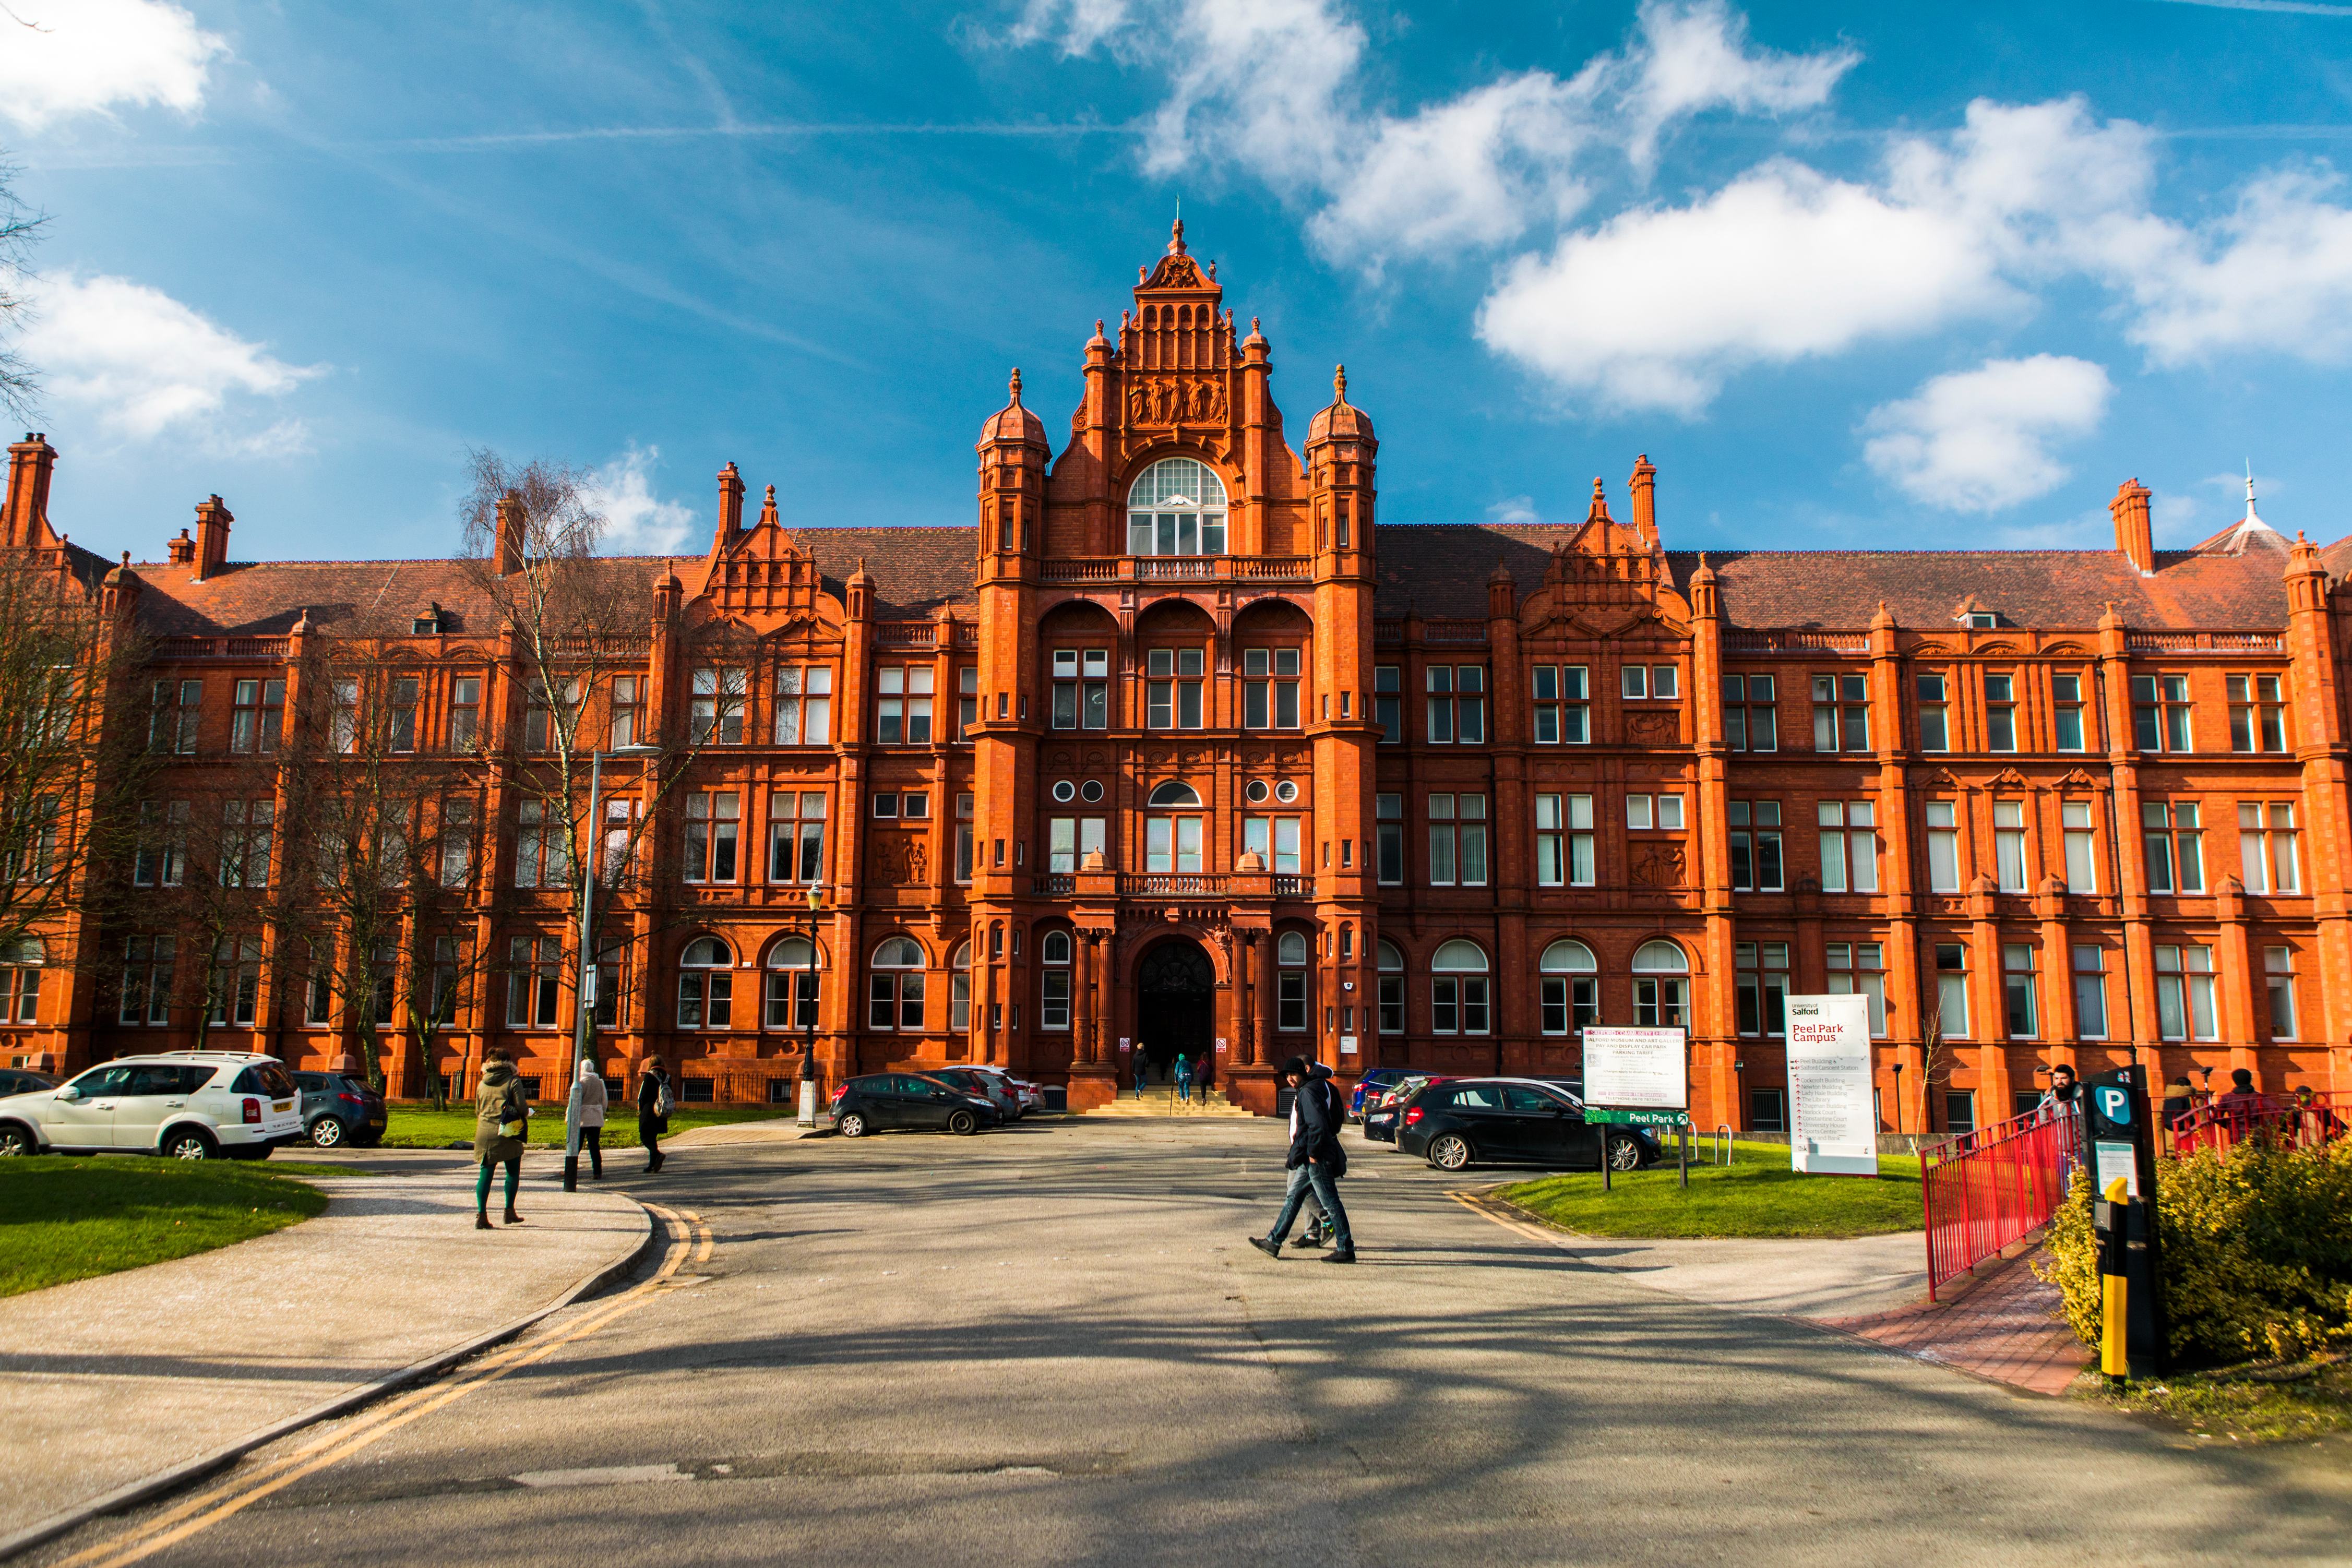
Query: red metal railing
2303, 1124
1987, 1188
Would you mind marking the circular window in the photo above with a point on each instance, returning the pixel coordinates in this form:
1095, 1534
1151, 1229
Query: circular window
1285, 792
1091, 791
1255, 792
1064, 789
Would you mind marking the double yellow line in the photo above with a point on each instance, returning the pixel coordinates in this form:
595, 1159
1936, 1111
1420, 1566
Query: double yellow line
689, 1238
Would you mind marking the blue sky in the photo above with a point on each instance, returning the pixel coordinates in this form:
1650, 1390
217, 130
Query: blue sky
1852, 275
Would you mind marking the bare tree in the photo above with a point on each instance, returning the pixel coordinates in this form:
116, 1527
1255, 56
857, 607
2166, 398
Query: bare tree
19, 228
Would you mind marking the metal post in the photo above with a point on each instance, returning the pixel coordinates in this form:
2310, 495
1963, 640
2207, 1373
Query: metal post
808, 1043
586, 990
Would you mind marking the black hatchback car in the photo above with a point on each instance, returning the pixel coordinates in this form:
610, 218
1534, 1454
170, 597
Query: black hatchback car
340, 1108
880, 1100
1490, 1121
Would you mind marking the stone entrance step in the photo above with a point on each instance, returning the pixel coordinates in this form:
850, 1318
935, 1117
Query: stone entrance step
1159, 1100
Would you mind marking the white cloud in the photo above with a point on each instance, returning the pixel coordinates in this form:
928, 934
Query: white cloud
1978, 441
1694, 57
84, 56
636, 521
1514, 511
2274, 274
145, 364
1655, 308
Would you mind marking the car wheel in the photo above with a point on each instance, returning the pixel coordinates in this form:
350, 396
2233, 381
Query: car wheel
963, 1123
187, 1143
15, 1140
1624, 1154
851, 1124
1449, 1152
326, 1132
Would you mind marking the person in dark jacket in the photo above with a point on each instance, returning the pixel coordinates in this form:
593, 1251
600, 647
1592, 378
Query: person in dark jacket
501, 1115
1316, 1159
1142, 1073
654, 1099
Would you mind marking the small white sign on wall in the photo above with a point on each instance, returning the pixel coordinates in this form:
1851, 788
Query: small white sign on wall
1834, 1114
1347, 1045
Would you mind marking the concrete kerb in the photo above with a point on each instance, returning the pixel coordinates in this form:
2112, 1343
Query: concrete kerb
192, 1470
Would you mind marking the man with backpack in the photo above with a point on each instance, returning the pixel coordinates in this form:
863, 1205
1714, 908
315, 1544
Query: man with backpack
655, 1103
1316, 1161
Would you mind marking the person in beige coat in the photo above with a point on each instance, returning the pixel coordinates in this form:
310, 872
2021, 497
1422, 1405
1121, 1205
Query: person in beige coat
592, 1101
501, 1119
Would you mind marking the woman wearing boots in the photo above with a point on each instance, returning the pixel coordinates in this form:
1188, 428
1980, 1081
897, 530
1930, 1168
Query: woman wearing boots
501, 1117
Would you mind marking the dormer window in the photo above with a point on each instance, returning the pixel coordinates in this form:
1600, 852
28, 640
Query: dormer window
1177, 508
1982, 620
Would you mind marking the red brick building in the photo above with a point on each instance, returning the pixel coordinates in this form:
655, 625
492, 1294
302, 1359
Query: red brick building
1179, 747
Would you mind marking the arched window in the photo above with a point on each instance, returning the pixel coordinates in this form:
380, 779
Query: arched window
1457, 989
960, 989
1391, 964
1290, 981
895, 996
1054, 995
1176, 507
1570, 988
705, 990
20, 979
1661, 993
1174, 792
793, 966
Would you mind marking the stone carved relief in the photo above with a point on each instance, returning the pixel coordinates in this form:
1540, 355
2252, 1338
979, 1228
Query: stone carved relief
899, 861
1659, 865
1654, 729
1171, 401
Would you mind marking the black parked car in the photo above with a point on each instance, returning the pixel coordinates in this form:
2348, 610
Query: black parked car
883, 1099
22, 1081
340, 1108
1475, 1121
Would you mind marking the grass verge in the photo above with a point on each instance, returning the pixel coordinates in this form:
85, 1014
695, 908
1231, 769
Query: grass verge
421, 1127
1757, 1196
2245, 1404
66, 1219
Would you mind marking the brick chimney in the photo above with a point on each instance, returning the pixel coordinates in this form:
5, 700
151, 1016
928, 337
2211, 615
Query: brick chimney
510, 534
30, 463
1642, 488
212, 537
180, 551
2132, 535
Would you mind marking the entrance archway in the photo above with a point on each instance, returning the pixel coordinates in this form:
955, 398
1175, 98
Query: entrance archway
1176, 1006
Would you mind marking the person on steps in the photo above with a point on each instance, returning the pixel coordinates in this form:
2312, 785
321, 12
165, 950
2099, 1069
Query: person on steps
592, 1101
1183, 1078
501, 1115
1142, 1073
654, 1102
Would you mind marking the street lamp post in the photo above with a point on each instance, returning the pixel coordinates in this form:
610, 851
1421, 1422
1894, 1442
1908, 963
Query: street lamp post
808, 1044
585, 1021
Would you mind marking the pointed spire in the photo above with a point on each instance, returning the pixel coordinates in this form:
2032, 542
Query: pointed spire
1176, 231
2250, 492
1599, 511
768, 518
1338, 383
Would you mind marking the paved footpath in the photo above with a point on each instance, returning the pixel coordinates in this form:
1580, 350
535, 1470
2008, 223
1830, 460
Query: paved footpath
1050, 1345
108, 1381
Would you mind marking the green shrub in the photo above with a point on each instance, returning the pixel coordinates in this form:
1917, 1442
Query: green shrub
2257, 1251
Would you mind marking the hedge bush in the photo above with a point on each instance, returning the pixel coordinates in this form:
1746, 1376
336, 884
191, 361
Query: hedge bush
2257, 1250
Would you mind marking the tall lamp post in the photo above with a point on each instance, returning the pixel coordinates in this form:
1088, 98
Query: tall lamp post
808, 1044
585, 1022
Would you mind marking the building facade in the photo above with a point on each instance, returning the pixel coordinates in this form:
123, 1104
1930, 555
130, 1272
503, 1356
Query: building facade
1179, 748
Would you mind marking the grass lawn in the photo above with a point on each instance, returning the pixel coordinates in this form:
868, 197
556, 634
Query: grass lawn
1758, 1196
419, 1127
2244, 1404
64, 1218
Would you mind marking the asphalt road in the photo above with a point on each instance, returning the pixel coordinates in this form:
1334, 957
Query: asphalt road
1050, 1345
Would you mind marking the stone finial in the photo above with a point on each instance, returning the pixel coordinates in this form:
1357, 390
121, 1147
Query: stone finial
1013, 386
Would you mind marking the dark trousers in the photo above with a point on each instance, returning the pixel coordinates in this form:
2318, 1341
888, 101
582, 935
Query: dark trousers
1314, 1177
592, 1144
649, 1135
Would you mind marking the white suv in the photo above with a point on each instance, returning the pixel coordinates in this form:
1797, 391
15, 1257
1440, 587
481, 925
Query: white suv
189, 1105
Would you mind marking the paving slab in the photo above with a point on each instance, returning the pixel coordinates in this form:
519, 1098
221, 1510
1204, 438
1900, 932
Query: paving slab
112, 1380
2003, 1324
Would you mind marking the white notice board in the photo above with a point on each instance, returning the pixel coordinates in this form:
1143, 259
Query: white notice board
1636, 1069
1834, 1125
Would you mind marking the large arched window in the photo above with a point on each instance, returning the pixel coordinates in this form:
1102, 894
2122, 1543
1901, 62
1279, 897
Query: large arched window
1176, 507
1391, 987
895, 999
1457, 989
1571, 987
1054, 994
1660, 987
960, 989
1290, 981
793, 966
705, 990
1172, 843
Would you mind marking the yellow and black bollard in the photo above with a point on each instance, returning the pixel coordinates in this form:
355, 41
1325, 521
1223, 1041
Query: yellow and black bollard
2114, 1289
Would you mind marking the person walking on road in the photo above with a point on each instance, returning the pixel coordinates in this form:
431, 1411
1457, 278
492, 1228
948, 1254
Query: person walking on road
501, 1116
1183, 1078
655, 1103
592, 1101
1316, 1160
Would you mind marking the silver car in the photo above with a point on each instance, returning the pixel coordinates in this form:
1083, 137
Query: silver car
189, 1105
